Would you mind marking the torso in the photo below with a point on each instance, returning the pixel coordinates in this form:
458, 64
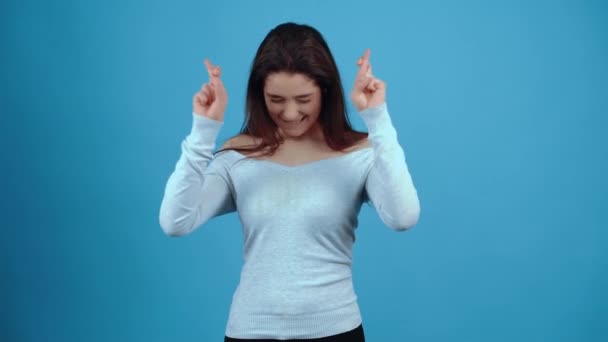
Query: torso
291, 154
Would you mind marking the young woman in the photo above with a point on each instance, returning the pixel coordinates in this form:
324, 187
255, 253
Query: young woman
298, 175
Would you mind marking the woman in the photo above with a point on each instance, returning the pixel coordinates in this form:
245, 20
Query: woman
297, 175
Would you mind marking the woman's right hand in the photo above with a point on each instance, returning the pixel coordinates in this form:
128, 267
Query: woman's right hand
212, 99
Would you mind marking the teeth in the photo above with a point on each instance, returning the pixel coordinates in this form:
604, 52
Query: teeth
294, 122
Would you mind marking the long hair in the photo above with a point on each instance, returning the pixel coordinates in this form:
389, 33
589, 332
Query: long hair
296, 48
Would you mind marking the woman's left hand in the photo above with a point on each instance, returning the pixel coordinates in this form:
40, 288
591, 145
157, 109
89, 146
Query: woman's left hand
368, 91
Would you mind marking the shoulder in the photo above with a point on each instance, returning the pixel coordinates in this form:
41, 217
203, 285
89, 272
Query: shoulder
241, 140
244, 141
228, 160
361, 144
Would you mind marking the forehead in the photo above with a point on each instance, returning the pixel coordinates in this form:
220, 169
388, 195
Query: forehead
289, 84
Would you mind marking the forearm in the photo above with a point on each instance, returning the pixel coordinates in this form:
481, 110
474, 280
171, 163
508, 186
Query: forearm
194, 193
389, 184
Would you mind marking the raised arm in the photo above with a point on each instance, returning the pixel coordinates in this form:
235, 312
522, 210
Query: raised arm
388, 187
199, 188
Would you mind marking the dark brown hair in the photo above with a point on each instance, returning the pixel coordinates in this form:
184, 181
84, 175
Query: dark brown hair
296, 48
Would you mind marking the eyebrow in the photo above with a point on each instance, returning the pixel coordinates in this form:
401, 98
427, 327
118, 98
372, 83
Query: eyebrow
297, 97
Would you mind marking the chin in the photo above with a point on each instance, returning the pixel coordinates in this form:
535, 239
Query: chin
305, 129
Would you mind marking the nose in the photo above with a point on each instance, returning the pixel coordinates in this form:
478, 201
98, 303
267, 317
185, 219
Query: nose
291, 112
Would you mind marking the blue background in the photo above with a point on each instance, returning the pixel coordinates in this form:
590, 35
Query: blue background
501, 107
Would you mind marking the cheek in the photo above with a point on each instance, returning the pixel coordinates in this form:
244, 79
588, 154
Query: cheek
311, 108
274, 109
314, 108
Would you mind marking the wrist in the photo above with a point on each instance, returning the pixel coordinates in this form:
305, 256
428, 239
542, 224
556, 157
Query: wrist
373, 109
205, 129
215, 117
376, 118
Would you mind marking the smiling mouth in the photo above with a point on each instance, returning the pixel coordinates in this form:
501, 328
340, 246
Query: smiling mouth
295, 123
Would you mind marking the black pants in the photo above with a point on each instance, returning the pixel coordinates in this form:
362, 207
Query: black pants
355, 335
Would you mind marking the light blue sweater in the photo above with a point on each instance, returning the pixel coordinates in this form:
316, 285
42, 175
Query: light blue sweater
298, 224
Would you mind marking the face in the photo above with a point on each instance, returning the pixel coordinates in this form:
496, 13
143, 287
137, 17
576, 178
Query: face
294, 104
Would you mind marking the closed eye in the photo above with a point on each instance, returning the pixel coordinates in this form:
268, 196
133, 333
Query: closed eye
283, 100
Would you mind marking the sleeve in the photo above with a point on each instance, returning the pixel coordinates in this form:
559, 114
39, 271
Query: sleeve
199, 188
389, 187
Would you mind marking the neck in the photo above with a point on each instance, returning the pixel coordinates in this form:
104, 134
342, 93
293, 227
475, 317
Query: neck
314, 137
